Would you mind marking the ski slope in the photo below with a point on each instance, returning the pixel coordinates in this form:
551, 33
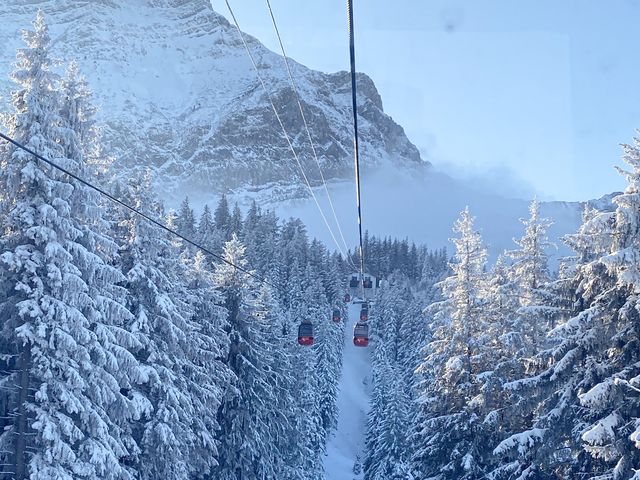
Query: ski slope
347, 442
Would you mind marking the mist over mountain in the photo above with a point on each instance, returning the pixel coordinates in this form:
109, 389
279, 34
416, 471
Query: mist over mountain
422, 208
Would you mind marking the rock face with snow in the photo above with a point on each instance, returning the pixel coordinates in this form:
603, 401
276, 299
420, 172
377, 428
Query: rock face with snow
178, 94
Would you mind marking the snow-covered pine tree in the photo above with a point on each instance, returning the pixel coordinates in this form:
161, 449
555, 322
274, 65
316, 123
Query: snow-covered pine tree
308, 436
292, 257
502, 303
501, 409
294, 242
393, 441
235, 223
260, 234
415, 334
329, 344
208, 373
387, 433
222, 218
609, 394
250, 223
186, 220
283, 411
506, 345
206, 229
547, 443
308, 431
36, 103
299, 362
448, 438
520, 306
530, 276
173, 435
108, 315
248, 434
62, 338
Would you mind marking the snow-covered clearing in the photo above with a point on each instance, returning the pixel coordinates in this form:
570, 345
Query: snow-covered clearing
353, 404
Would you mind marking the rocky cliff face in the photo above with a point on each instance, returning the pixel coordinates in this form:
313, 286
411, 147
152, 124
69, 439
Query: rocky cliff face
177, 94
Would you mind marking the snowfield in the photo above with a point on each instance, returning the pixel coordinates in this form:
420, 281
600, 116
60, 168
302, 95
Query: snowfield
347, 443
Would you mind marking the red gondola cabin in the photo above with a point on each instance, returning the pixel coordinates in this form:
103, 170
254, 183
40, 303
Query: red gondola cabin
361, 334
336, 316
364, 314
305, 333
347, 298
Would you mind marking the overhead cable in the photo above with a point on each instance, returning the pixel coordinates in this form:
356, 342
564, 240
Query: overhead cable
132, 209
284, 130
306, 125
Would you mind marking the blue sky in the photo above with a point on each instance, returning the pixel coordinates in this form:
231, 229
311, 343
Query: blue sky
529, 95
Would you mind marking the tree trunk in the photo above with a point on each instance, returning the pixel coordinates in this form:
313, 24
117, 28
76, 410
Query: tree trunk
21, 422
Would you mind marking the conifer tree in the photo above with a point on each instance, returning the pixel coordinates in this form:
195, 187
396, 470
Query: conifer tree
281, 413
260, 233
235, 222
449, 428
222, 218
248, 432
62, 317
168, 433
186, 222
584, 385
209, 376
310, 436
206, 229
608, 392
328, 351
387, 432
530, 275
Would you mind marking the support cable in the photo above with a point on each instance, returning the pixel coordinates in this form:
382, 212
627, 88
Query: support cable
306, 125
284, 131
132, 209
356, 153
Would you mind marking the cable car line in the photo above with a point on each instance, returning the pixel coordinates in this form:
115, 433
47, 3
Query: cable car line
284, 131
356, 150
306, 125
361, 329
132, 209
305, 329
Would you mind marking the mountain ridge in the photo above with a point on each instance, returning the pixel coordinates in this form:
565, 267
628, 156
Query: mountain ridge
178, 95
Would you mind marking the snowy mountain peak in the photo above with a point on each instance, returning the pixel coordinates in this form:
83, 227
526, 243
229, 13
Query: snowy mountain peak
178, 95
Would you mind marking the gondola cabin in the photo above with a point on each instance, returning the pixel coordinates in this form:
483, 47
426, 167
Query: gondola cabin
305, 333
336, 316
361, 334
367, 284
364, 314
347, 298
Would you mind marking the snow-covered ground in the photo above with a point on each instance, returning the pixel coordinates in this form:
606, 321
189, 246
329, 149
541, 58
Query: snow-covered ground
353, 404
